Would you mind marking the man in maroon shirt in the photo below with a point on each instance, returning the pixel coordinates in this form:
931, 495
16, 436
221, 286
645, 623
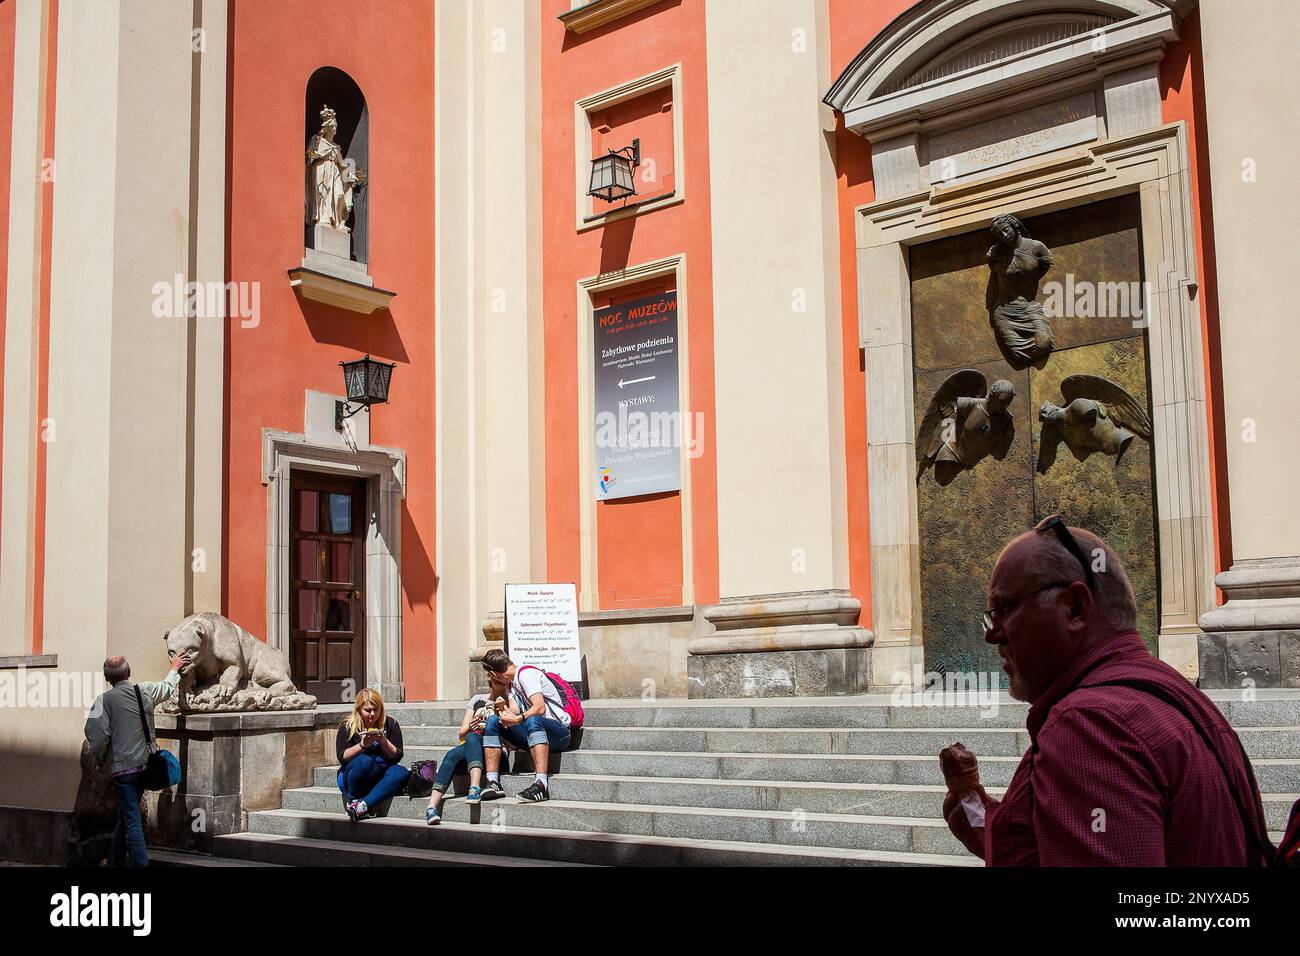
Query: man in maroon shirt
1116, 775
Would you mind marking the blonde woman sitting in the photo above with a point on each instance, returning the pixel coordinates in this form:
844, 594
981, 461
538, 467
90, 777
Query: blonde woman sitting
369, 749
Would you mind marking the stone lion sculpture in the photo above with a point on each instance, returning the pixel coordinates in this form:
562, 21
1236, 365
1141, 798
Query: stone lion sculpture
229, 670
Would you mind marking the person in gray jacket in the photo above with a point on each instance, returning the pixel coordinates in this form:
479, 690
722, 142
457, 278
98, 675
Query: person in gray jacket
114, 726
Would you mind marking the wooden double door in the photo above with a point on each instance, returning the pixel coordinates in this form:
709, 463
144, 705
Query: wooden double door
329, 520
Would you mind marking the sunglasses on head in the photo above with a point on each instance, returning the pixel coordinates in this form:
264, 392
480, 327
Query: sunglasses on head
1056, 523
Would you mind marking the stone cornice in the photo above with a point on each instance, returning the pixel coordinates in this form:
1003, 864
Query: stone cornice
1142, 27
597, 13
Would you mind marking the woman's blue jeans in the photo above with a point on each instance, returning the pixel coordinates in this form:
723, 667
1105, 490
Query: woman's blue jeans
468, 756
371, 779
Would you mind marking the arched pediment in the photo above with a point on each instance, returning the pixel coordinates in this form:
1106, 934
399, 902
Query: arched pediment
964, 49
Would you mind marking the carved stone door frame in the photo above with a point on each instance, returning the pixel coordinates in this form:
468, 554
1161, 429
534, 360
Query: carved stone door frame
282, 452
1155, 165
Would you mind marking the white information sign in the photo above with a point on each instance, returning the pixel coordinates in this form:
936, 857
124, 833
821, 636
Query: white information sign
542, 628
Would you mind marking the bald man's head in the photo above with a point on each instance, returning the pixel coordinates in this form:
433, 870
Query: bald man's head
1046, 614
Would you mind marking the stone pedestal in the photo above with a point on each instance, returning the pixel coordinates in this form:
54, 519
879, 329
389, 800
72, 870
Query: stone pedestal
331, 254
1255, 635
800, 644
231, 764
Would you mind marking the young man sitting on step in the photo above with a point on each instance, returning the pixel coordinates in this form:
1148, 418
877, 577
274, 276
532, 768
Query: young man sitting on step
535, 719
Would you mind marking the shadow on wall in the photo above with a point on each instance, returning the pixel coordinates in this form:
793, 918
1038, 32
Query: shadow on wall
45, 835
616, 244
377, 335
572, 39
419, 577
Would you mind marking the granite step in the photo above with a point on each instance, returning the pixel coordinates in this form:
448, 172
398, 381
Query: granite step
861, 798
577, 846
984, 741
1275, 775
833, 712
161, 857
270, 849
1271, 708
797, 768
802, 740
887, 799
900, 834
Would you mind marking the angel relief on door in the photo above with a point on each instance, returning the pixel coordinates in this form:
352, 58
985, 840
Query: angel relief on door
1029, 401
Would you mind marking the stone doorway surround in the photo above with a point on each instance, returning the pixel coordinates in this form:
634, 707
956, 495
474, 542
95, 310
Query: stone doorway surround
385, 469
1047, 111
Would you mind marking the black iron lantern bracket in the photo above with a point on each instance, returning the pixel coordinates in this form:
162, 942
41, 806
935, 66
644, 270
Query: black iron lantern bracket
365, 382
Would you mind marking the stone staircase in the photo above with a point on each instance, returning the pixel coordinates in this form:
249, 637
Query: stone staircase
843, 781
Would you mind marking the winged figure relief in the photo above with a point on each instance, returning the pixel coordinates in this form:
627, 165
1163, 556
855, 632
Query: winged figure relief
1097, 415
967, 420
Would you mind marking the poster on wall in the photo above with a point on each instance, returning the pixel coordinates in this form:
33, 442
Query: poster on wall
542, 628
637, 415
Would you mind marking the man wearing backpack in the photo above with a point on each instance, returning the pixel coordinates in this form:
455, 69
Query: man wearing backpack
543, 712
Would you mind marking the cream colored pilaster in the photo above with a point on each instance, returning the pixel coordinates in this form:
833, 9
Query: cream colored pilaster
208, 199
512, 423
776, 313
455, 247
117, 561
489, 402
1252, 144
21, 375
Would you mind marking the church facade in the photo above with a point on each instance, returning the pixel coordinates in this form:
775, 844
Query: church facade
762, 323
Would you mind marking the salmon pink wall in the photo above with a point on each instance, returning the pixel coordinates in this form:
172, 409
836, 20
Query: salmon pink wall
574, 67
388, 50
853, 25
1182, 89
43, 333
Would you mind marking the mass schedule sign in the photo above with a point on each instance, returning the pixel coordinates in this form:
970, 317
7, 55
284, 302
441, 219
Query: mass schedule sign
638, 424
542, 628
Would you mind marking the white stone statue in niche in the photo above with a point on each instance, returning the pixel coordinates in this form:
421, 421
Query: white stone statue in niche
332, 180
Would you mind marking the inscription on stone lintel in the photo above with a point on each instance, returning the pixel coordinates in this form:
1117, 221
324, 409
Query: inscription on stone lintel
1006, 139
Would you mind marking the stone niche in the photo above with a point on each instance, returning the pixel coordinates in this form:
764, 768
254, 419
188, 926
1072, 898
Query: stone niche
232, 764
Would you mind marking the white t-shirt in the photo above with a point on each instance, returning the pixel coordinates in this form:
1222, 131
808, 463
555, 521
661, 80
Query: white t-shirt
532, 680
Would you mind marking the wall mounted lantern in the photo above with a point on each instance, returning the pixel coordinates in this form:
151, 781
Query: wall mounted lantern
611, 174
366, 382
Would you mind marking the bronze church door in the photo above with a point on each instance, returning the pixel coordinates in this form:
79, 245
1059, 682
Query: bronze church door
327, 591
1076, 436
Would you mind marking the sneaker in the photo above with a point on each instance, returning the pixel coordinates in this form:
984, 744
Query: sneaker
351, 808
475, 795
432, 816
492, 790
534, 793
362, 811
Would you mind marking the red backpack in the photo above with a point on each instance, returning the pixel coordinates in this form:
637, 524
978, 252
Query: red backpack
568, 696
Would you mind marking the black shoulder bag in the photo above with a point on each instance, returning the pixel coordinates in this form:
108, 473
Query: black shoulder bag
162, 770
